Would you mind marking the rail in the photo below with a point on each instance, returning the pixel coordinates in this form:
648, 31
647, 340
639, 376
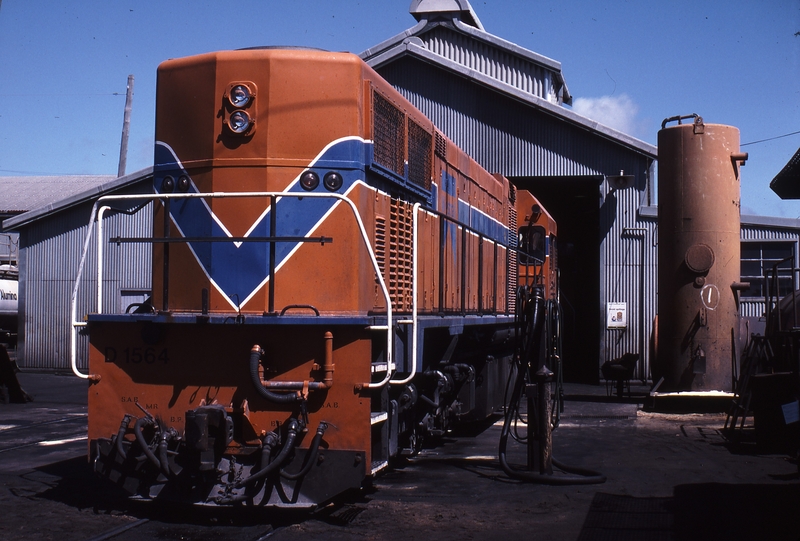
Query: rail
100, 207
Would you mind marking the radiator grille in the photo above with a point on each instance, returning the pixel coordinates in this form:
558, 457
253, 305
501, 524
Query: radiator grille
390, 140
400, 257
419, 155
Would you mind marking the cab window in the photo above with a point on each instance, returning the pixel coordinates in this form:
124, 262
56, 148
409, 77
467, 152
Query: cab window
532, 240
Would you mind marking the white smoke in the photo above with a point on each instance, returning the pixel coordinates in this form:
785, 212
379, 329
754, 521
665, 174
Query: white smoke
618, 112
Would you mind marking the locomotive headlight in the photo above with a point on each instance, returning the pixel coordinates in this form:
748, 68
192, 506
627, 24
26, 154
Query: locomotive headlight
309, 180
183, 183
168, 184
240, 95
333, 181
239, 122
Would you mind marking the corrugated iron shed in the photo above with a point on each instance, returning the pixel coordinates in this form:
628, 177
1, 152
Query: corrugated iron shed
21, 194
503, 104
46, 195
52, 234
506, 106
446, 42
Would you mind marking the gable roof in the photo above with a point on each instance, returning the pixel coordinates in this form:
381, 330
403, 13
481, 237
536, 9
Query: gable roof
51, 194
787, 183
447, 42
21, 194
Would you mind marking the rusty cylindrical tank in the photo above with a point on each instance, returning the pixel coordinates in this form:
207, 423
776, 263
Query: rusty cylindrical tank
698, 255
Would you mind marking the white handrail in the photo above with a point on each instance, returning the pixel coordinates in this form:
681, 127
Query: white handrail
222, 195
100, 213
414, 308
74, 302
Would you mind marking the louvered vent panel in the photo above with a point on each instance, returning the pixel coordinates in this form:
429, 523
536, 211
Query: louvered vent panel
419, 155
512, 259
390, 140
380, 243
441, 145
400, 262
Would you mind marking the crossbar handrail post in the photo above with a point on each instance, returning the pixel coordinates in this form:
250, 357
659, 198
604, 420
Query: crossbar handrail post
414, 289
389, 327
273, 224
100, 213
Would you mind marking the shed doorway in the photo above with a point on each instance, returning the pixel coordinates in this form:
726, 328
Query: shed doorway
574, 202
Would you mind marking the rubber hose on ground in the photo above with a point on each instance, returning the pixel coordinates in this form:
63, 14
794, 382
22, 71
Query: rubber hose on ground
582, 476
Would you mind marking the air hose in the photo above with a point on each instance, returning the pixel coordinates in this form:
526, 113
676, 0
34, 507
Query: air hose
137, 431
311, 457
123, 428
531, 305
581, 476
288, 446
278, 398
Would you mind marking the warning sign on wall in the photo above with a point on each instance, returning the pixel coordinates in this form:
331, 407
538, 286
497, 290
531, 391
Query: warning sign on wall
617, 315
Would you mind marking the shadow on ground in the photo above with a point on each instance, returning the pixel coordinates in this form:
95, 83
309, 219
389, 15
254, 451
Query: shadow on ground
76, 486
698, 512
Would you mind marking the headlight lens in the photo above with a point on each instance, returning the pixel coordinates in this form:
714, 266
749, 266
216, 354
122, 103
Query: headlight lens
240, 95
333, 181
168, 184
183, 183
239, 122
309, 180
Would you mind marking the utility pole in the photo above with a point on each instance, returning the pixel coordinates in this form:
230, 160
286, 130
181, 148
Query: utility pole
126, 121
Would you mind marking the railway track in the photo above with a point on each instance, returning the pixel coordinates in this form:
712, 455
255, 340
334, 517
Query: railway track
49, 433
146, 528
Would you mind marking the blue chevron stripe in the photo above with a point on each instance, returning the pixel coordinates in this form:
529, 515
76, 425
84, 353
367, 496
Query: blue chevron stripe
239, 270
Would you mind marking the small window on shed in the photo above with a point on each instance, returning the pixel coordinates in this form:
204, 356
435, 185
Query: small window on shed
759, 259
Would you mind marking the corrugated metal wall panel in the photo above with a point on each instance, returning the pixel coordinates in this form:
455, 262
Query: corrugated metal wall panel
752, 232
752, 308
504, 135
504, 66
509, 137
52, 250
628, 274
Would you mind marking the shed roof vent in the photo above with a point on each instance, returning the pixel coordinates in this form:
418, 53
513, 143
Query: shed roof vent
445, 9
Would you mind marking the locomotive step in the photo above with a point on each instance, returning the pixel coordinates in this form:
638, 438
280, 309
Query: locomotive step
379, 367
378, 466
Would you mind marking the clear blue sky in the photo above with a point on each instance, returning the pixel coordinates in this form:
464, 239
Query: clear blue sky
64, 66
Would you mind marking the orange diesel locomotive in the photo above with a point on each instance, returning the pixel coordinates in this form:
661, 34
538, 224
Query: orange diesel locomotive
334, 281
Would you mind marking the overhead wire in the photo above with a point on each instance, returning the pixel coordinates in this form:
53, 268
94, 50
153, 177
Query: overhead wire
770, 138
